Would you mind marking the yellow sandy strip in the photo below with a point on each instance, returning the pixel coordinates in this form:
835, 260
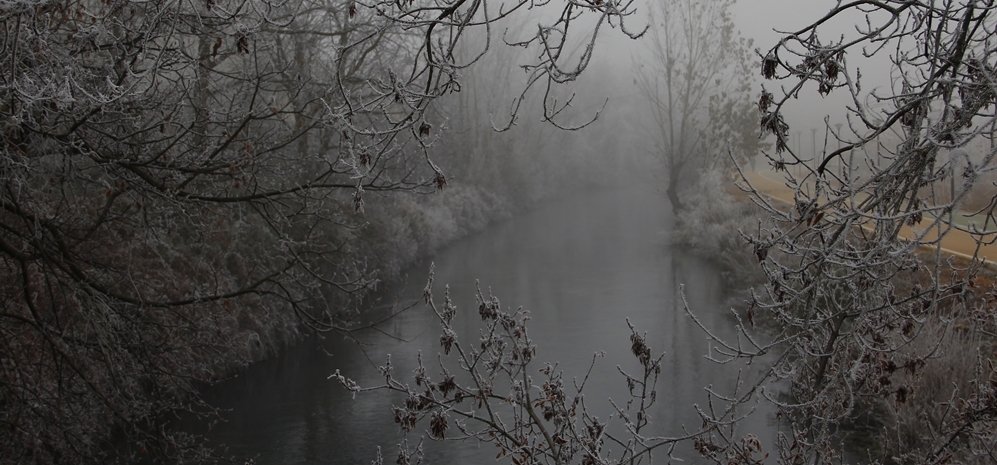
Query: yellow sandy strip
953, 242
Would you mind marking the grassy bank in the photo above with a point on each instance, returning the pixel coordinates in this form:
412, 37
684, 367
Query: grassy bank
921, 367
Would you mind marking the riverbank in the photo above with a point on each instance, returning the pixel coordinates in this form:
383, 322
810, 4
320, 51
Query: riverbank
713, 224
952, 241
579, 265
919, 377
395, 231
400, 231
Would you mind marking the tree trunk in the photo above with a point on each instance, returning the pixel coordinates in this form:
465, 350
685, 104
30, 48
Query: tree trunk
201, 95
673, 196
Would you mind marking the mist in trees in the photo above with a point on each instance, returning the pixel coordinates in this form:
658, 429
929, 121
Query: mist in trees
186, 185
189, 186
694, 81
881, 325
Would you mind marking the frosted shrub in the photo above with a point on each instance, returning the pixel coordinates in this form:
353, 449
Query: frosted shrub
714, 224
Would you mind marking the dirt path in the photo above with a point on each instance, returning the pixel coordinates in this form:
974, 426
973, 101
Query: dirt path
953, 242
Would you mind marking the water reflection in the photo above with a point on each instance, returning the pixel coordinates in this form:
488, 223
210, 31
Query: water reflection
581, 267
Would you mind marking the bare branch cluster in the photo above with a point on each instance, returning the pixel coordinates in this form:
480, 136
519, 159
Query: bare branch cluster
864, 314
862, 294
496, 391
173, 173
694, 82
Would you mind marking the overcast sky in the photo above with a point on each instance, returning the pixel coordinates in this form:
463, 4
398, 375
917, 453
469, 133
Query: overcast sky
615, 57
758, 18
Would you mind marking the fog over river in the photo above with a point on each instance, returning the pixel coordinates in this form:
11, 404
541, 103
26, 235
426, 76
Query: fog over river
580, 266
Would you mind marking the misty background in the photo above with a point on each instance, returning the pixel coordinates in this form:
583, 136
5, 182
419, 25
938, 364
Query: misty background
339, 231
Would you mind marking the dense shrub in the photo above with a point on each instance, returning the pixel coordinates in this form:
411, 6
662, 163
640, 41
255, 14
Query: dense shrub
713, 225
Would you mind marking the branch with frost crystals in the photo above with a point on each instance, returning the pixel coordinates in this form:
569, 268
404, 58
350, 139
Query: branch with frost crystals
854, 260
347, 383
489, 391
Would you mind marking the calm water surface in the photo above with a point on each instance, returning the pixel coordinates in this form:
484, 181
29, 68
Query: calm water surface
580, 266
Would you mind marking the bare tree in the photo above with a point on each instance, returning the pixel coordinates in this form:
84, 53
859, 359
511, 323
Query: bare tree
694, 84
862, 308
175, 172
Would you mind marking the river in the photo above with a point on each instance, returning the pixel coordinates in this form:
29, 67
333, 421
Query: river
581, 266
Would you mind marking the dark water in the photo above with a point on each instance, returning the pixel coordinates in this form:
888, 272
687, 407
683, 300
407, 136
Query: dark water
580, 267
